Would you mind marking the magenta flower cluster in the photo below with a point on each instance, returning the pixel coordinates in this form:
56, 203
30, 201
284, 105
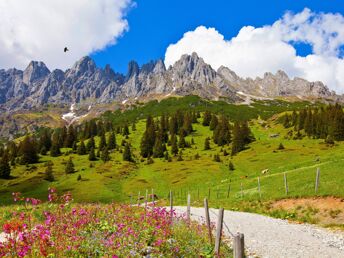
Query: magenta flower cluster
59, 228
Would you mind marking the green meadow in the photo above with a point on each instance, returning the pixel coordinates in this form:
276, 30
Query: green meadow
117, 180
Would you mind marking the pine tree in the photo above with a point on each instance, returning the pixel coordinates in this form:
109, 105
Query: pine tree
293, 118
206, 118
173, 125
174, 145
309, 123
126, 130
102, 143
55, 150
246, 133
286, 122
221, 134
148, 139
28, 151
48, 174
166, 156
238, 141
90, 144
45, 140
112, 141
55, 144
213, 122
75, 147
12, 150
62, 136
82, 148
187, 124
69, 168
92, 155
164, 128
158, 150
182, 143
5, 168
70, 138
127, 153
207, 144
105, 156
231, 166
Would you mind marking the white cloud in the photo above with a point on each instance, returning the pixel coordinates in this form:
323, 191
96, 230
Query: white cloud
40, 29
255, 51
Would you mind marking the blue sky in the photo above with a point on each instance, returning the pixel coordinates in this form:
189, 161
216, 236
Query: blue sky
303, 38
154, 24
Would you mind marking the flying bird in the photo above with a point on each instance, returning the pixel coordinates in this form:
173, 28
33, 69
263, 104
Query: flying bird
65, 49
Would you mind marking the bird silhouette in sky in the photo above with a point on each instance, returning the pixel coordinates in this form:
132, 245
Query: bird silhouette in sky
65, 49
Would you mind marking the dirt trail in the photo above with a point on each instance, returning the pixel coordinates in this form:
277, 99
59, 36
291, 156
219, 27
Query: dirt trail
268, 237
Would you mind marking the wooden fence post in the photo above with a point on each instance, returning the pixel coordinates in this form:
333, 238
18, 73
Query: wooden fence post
218, 231
286, 184
188, 209
153, 196
317, 180
228, 190
260, 194
207, 218
239, 246
171, 205
146, 198
138, 198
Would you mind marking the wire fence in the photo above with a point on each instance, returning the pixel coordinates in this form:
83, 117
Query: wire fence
260, 188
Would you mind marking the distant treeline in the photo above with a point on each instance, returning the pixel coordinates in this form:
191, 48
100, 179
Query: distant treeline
323, 122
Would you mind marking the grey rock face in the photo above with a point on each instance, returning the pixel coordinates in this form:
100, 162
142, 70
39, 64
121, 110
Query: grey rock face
36, 85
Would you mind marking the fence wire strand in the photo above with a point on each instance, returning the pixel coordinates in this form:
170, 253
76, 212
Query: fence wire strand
224, 223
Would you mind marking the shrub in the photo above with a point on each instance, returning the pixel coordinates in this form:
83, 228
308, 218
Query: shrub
231, 166
280, 147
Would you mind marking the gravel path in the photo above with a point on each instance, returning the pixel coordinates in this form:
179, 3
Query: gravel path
268, 237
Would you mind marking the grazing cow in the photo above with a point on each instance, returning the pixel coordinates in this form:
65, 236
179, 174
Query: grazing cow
265, 171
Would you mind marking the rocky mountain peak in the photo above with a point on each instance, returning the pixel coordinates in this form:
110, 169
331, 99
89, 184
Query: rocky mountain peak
35, 71
195, 68
109, 72
281, 74
154, 67
133, 69
84, 65
159, 67
227, 74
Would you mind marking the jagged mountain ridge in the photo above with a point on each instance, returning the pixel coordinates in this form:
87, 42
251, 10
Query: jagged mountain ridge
37, 85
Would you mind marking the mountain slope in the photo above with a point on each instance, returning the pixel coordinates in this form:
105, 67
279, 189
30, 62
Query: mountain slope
85, 82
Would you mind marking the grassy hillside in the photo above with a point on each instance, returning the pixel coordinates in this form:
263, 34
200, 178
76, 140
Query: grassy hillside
117, 180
